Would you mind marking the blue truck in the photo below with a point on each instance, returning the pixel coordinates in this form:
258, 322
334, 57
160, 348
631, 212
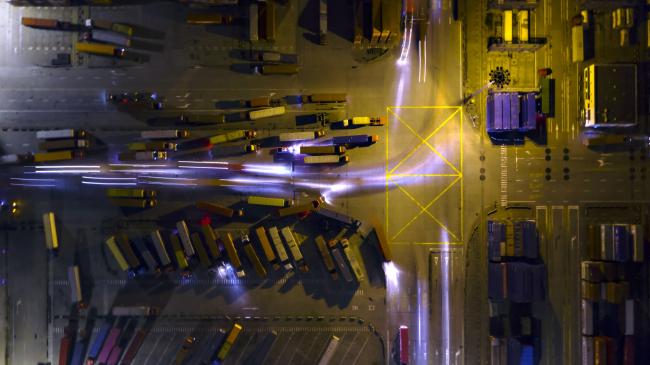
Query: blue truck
360, 140
99, 342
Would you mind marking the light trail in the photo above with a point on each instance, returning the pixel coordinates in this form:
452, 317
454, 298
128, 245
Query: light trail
446, 310
27, 179
203, 167
108, 183
107, 178
34, 185
68, 167
65, 172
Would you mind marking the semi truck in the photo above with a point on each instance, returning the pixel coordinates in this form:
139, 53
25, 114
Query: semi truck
260, 232
224, 350
340, 217
327, 258
320, 118
266, 113
326, 160
51, 235
355, 141
105, 24
324, 98
322, 150
352, 259
276, 69
294, 249
279, 248
134, 203
134, 347
165, 134
210, 18
184, 234
219, 209
211, 238
340, 262
201, 253
64, 144
100, 49
232, 136
179, 255
232, 150
61, 134
301, 136
127, 250
75, 286
130, 193
64, 155
307, 207
161, 251
253, 258
152, 146
135, 311
147, 256
143, 156
356, 122
43, 23
106, 36
96, 347
268, 201
229, 245
117, 254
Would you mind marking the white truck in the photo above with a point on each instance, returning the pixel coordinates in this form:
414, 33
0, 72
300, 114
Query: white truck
60, 134
301, 136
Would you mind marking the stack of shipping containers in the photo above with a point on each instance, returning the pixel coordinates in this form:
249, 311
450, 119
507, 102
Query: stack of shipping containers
516, 280
613, 253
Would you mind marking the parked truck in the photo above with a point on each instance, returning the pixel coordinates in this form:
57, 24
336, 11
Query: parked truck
75, 286
252, 257
152, 146
201, 253
276, 69
51, 235
266, 113
229, 245
108, 25
130, 193
352, 259
224, 350
260, 232
209, 18
100, 49
232, 150
356, 140
294, 249
301, 136
279, 248
327, 258
134, 202
135, 311
64, 144
165, 134
161, 251
342, 265
143, 156
50, 24
326, 159
322, 22
64, 155
356, 122
219, 209
269, 201
322, 150
106, 36
61, 134
317, 118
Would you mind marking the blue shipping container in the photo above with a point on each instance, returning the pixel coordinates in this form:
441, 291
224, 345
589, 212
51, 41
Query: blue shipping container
99, 340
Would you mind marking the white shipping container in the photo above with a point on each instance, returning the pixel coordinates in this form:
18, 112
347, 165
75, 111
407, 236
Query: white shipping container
629, 317
291, 242
299, 136
326, 159
184, 234
587, 317
279, 248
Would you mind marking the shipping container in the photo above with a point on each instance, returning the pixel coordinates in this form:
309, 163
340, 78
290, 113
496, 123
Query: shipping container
127, 250
164, 134
64, 144
110, 342
152, 146
179, 254
253, 21
328, 352
606, 242
229, 342
342, 265
588, 350
277, 69
260, 232
134, 347
326, 159
507, 26
265, 113
600, 351
621, 242
629, 317
306, 207
98, 342
339, 217
57, 156
326, 98
100, 49
106, 36
322, 150
587, 317
61, 134
638, 243
211, 238
130, 193
211, 18
352, 259
75, 286
134, 203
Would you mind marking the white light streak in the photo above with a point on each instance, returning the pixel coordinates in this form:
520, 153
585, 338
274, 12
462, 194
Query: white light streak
107, 178
108, 183
203, 167
205, 162
69, 167
26, 179
67, 172
34, 185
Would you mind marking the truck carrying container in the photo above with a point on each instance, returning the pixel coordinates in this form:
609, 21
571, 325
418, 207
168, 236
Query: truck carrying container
294, 249
320, 118
130, 193
127, 250
42, 23
202, 254
253, 258
142, 156
342, 265
65, 155
219, 209
165, 134
135, 311
109, 344
184, 234
100, 49
232, 136
268, 201
232, 150
297, 209
161, 250
134, 347
352, 259
106, 36
260, 232
277, 69
325, 98
64, 144
147, 256
637, 242
327, 211
106, 24
325, 255
356, 122
588, 350
179, 255
15, 159
279, 248
60, 134
229, 245
134, 203
98, 342
322, 150
211, 18
621, 242
75, 286
496, 235
152, 146
211, 238
117, 254
51, 235
355, 141
266, 113
497, 281
301, 136
253, 16
326, 159
224, 350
